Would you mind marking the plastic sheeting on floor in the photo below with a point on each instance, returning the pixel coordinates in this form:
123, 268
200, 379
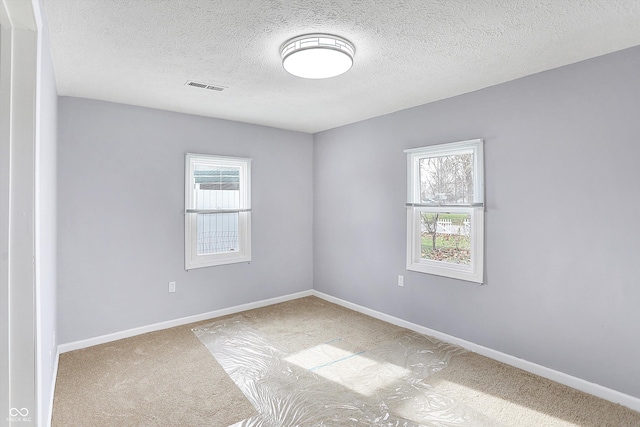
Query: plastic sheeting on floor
335, 383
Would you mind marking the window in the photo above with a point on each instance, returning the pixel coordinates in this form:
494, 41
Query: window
445, 210
217, 210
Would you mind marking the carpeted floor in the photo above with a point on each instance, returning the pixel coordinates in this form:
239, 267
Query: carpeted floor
169, 378
164, 378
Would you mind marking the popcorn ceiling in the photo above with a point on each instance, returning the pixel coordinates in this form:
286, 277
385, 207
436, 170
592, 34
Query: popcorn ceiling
408, 52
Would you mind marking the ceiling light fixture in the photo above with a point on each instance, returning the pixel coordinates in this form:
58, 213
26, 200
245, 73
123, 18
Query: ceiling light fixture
317, 56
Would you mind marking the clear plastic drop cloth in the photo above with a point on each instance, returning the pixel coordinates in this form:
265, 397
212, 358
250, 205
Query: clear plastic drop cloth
337, 383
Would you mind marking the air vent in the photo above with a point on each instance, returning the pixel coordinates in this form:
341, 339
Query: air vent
209, 86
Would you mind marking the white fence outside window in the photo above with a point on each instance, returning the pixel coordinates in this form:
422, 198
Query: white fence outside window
445, 226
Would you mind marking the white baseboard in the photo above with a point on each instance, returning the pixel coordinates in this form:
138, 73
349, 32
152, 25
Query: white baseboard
553, 375
53, 388
77, 345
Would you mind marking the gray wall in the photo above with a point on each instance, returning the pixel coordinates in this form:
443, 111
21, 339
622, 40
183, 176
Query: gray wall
121, 222
46, 233
562, 252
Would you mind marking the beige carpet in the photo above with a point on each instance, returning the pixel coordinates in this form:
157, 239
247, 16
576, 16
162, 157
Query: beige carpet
165, 378
168, 378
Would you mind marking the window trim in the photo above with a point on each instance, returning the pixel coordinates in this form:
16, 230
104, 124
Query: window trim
475, 271
192, 259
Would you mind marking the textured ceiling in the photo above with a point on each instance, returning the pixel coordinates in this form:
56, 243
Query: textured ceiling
408, 52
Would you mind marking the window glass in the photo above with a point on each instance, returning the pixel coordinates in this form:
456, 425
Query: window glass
217, 233
446, 179
445, 237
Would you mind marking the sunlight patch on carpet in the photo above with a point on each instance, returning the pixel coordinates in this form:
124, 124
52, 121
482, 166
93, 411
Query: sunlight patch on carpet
348, 367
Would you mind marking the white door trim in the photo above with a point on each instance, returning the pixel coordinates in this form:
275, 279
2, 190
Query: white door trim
18, 334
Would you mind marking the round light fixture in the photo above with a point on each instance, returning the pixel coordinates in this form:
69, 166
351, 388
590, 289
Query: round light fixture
317, 56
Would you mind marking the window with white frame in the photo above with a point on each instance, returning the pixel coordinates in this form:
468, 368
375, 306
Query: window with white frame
445, 210
217, 210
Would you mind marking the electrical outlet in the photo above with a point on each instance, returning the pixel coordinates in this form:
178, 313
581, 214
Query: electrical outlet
172, 286
400, 281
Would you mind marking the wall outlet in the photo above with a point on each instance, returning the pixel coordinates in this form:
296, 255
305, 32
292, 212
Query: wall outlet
400, 281
172, 286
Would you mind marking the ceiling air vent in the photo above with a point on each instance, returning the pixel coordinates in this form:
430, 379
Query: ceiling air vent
209, 86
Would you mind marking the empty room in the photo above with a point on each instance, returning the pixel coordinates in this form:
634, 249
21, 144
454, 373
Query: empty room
328, 213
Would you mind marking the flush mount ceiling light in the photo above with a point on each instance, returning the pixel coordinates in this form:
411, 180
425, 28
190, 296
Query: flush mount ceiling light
317, 56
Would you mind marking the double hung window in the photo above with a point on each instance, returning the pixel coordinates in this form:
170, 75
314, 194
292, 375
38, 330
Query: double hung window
217, 210
445, 210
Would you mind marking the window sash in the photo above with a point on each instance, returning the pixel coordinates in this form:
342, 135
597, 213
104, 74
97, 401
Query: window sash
472, 272
193, 260
414, 155
218, 161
